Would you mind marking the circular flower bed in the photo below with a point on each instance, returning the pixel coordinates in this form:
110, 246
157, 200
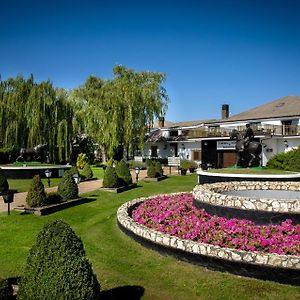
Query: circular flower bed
175, 215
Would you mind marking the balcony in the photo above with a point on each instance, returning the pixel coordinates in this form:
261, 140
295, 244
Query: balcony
259, 130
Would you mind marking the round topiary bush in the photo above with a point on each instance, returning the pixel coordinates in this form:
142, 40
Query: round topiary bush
111, 179
86, 172
3, 181
123, 173
67, 188
6, 290
57, 267
158, 169
151, 171
36, 196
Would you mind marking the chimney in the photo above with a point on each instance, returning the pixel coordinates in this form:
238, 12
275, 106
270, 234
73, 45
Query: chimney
161, 122
225, 111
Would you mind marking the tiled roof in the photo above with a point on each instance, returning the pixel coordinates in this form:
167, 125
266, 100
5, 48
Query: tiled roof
288, 106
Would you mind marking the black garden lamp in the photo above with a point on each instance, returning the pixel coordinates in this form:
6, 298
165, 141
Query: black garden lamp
8, 197
48, 174
76, 178
137, 172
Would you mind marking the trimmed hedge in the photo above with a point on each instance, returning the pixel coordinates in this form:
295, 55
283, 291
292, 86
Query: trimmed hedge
86, 172
36, 196
111, 179
57, 267
123, 173
67, 188
158, 169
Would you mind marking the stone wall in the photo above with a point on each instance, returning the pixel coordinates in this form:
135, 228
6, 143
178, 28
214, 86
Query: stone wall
270, 260
210, 194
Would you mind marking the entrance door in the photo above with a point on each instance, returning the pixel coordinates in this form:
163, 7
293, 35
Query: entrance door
229, 158
174, 149
209, 154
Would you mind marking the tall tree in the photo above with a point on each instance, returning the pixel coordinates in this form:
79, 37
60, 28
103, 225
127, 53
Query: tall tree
119, 112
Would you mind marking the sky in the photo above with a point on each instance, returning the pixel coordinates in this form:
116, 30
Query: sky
213, 52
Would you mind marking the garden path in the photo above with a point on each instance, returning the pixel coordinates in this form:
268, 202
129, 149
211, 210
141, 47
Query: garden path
84, 187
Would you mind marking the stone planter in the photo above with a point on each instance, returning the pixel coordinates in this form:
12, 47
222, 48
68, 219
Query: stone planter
267, 266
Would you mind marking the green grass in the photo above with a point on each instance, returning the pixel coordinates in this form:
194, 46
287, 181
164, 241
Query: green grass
22, 185
97, 172
249, 171
120, 261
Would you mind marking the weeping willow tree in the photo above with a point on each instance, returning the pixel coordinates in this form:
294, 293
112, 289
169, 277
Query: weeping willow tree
33, 114
118, 112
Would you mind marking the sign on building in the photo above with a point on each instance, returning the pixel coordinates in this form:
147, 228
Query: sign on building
138, 158
225, 145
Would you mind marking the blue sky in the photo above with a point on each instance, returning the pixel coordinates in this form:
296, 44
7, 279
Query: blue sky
243, 53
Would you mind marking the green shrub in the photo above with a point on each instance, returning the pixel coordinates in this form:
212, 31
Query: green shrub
6, 291
36, 196
53, 198
149, 162
67, 187
151, 171
123, 173
82, 160
73, 170
57, 267
289, 161
185, 164
3, 181
86, 172
111, 179
158, 169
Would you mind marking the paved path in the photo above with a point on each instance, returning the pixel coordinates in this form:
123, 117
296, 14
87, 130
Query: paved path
84, 187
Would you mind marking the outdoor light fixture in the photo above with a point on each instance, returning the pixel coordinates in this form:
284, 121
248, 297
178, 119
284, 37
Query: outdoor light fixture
286, 143
137, 172
8, 197
76, 178
48, 174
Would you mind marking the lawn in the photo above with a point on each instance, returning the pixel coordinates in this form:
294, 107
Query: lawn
22, 185
121, 264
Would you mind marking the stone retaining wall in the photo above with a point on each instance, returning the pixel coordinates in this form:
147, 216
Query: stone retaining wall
210, 194
232, 255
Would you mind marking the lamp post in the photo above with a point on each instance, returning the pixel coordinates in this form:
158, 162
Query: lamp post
48, 174
76, 178
286, 144
137, 172
8, 197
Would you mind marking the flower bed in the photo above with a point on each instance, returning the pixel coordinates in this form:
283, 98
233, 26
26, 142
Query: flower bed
175, 215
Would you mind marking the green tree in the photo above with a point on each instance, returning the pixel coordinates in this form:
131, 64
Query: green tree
36, 196
120, 111
57, 267
67, 187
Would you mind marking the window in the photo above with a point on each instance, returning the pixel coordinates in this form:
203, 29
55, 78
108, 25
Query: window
174, 133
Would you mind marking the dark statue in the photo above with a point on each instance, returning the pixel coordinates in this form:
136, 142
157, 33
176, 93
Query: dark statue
38, 153
248, 151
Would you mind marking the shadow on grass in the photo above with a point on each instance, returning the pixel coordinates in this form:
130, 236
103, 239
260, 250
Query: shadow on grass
132, 292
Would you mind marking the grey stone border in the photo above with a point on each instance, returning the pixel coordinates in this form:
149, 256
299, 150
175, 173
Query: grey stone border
210, 194
288, 262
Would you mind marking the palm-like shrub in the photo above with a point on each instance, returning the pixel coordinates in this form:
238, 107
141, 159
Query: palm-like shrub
36, 196
82, 160
3, 181
67, 188
111, 179
57, 267
123, 173
86, 172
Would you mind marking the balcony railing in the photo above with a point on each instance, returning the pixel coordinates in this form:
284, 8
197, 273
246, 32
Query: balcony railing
264, 130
